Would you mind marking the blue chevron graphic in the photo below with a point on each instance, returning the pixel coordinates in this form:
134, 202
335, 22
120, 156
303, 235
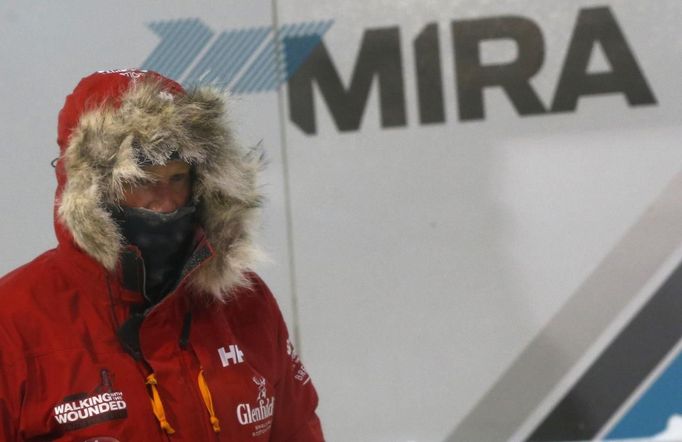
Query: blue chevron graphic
243, 61
265, 66
300, 42
655, 409
226, 56
181, 42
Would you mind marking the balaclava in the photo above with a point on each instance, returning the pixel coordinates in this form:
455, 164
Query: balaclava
163, 240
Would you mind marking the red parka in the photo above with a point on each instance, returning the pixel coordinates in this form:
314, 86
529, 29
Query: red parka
213, 361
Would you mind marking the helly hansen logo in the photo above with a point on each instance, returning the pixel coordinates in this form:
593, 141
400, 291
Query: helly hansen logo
233, 355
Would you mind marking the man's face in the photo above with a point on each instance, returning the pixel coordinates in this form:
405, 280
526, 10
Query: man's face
169, 191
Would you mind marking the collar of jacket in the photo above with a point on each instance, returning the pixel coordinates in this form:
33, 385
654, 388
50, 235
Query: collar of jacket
127, 277
130, 271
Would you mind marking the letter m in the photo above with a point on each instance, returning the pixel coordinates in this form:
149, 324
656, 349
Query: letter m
379, 57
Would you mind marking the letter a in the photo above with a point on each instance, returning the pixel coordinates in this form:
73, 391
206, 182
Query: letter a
598, 25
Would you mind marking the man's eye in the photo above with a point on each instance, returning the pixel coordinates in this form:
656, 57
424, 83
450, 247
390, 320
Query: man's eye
178, 178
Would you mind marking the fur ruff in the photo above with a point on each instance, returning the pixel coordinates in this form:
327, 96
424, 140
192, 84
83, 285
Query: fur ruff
104, 154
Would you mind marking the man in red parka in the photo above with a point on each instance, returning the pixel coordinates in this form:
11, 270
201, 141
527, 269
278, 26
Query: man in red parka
145, 323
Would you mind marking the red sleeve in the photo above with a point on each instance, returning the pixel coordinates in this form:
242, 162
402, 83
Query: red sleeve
10, 400
295, 419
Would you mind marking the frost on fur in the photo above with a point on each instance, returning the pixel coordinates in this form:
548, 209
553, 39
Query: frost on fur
104, 155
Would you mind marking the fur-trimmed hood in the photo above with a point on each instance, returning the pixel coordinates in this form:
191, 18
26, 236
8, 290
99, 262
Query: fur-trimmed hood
115, 120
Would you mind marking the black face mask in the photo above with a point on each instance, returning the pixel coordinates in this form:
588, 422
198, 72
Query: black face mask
163, 240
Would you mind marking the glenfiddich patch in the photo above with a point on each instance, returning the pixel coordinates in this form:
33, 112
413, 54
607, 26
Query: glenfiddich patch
84, 409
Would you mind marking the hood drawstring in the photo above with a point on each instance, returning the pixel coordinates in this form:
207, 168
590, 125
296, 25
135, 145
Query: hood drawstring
208, 400
157, 405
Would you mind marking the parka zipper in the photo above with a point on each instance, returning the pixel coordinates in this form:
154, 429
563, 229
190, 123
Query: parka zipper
144, 367
183, 344
186, 355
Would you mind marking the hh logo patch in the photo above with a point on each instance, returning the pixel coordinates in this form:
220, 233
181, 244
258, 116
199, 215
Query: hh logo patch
230, 356
83, 409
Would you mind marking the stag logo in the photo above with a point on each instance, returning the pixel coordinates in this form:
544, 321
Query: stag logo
262, 390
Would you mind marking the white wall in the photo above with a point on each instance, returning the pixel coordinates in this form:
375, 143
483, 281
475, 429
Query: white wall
418, 262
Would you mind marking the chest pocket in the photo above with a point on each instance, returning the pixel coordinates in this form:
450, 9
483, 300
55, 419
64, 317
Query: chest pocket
76, 394
243, 398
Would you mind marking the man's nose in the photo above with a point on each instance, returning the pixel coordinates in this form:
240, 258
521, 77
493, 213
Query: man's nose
165, 199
